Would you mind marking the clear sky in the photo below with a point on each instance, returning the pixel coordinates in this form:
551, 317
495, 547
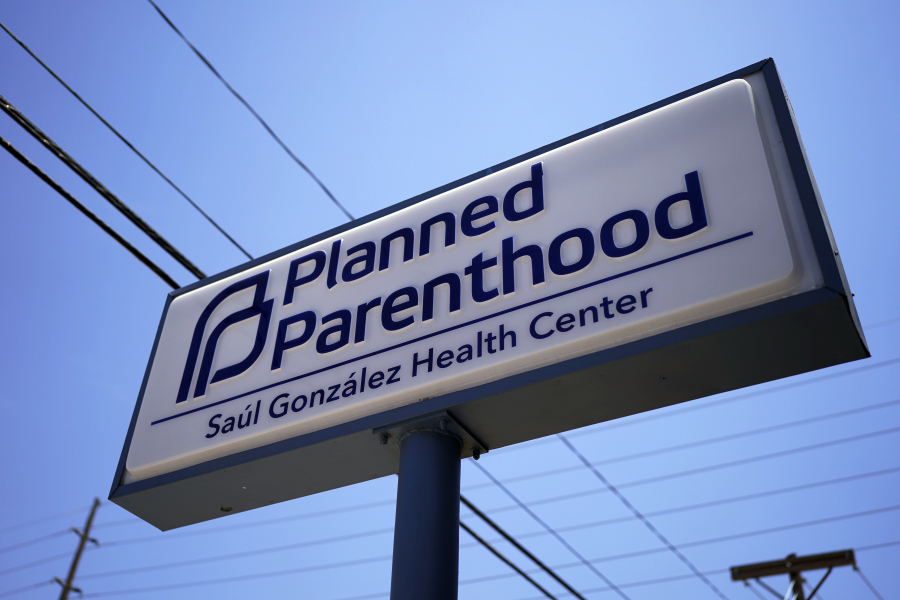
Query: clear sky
385, 101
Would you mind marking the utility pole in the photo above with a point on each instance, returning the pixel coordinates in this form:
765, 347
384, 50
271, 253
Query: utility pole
793, 566
84, 539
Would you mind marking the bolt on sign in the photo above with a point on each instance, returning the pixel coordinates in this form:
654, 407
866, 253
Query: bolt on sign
676, 252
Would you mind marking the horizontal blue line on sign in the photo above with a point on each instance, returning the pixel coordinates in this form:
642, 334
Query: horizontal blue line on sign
466, 324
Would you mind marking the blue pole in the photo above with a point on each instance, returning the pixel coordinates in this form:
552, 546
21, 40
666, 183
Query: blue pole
426, 529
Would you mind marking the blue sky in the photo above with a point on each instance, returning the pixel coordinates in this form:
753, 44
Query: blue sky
386, 101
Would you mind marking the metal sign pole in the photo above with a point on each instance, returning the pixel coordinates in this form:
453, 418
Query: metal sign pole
426, 529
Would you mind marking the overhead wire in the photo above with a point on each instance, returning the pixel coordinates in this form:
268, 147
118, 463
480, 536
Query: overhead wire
659, 580
562, 566
646, 581
119, 523
661, 512
242, 578
707, 504
657, 550
239, 526
508, 562
877, 546
868, 583
92, 181
883, 323
664, 511
552, 531
651, 551
274, 549
125, 141
252, 111
515, 479
697, 405
749, 433
37, 540
41, 561
707, 468
558, 498
27, 588
712, 440
349, 536
506, 537
67, 513
692, 407
282, 548
235, 555
509, 538
86, 212
642, 518
742, 535
748, 585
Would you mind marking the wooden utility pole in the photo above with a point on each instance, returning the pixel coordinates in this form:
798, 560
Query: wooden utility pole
84, 539
793, 566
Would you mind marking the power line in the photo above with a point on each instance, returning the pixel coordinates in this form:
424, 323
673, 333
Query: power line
883, 323
752, 432
747, 534
708, 504
38, 540
511, 480
469, 505
659, 580
25, 589
252, 111
230, 528
743, 535
241, 578
520, 547
37, 562
508, 562
236, 555
754, 590
92, 181
119, 523
868, 583
689, 507
708, 468
125, 141
269, 550
464, 582
696, 405
713, 440
691, 407
68, 513
84, 210
756, 495
282, 548
642, 518
877, 546
552, 531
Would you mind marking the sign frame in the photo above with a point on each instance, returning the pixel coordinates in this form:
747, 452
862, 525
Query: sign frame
784, 337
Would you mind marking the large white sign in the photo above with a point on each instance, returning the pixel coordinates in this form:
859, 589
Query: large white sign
668, 219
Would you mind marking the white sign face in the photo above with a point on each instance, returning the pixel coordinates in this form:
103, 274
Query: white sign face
668, 219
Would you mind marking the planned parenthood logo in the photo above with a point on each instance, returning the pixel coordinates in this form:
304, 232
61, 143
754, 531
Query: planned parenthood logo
260, 307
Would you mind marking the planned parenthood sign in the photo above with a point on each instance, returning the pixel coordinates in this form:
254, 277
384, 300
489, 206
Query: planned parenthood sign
668, 255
